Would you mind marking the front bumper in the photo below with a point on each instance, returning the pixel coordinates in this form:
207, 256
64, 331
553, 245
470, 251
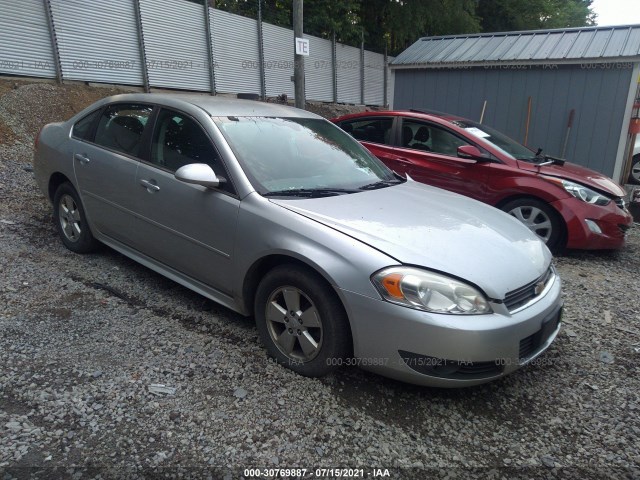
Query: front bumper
612, 220
403, 343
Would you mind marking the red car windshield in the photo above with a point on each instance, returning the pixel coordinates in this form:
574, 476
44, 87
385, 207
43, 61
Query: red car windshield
499, 140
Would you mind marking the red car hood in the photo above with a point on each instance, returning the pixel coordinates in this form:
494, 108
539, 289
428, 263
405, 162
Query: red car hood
578, 174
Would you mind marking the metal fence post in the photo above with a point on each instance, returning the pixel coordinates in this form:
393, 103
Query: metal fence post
212, 72
334, 57
386, 78
263, 80
362, 70
54, 40
143, 55
298, 64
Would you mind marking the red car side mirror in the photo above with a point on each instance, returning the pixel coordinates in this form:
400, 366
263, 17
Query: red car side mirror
471, 152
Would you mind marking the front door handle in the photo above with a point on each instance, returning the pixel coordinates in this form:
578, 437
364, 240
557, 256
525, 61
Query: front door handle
406, 161
81, 158
150, 186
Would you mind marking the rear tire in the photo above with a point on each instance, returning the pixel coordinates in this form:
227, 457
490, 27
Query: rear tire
541, 218
71, 220
634, 175
301, 321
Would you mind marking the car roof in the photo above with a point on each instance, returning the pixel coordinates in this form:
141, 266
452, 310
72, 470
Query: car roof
413, 113
214, 105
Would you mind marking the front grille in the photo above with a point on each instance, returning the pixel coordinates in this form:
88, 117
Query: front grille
520, 296
620, 202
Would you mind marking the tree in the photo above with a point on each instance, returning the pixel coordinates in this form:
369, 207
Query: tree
504, 15
409, 20
396, 24
324, 17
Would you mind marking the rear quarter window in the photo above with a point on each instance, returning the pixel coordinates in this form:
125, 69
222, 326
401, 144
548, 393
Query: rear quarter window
83, 128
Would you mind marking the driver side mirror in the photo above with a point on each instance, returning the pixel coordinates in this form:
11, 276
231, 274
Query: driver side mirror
199, 174
471, 152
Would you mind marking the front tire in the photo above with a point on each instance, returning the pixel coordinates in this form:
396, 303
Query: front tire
301, 321
71, 220
540, 218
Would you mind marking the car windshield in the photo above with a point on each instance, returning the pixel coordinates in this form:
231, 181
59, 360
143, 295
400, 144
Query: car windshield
499, 140
303, 157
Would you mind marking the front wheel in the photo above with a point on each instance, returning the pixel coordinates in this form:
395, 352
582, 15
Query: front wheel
540, 218
301, 321
71, 221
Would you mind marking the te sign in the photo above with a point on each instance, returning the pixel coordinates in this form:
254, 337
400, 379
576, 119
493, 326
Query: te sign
302, 46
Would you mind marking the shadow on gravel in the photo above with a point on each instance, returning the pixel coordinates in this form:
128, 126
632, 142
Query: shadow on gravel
399, 403
590, 255
160, 295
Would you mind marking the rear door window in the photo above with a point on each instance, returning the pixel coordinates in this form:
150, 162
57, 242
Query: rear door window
121, 126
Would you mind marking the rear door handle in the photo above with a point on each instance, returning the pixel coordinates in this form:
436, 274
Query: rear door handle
149, 185
81, 158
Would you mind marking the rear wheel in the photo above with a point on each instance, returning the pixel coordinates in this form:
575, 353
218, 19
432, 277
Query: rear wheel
70, 220
301, 321
540, 218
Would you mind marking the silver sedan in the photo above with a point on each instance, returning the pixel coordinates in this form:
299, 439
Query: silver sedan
277, 213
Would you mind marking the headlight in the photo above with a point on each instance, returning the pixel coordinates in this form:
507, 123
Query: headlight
583, 193
424, 290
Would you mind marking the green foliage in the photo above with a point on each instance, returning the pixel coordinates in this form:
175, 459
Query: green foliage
505, 15
398, 23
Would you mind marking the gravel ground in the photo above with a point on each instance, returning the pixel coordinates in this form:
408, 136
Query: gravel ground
85, 337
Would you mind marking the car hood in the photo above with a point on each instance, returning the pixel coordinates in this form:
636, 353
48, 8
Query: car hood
425, 226
578, 174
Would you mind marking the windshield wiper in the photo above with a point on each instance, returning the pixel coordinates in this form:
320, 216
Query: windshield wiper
542, 159
310, 192
381, 184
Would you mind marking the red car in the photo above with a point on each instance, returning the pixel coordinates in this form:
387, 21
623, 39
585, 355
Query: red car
566, 205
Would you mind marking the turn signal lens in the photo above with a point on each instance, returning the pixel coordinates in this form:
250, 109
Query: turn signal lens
391, 283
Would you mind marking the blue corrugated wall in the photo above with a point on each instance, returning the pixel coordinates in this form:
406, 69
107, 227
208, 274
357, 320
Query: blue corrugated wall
598, 93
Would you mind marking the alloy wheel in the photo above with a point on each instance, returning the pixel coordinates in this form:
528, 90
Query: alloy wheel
294, 324
70, 219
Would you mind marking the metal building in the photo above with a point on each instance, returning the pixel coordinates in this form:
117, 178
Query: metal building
531, 82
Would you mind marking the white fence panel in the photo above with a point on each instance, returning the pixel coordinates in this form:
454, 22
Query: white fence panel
25, 42
278, 60
373, 78
98, 41
175, 41
391, 82
318, 67
235, 52
348, 73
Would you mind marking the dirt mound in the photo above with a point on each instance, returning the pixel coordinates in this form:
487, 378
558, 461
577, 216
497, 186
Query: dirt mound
7, 135
25, 107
